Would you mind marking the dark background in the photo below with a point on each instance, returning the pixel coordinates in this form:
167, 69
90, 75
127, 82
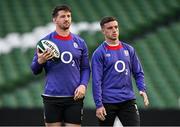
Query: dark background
34, 117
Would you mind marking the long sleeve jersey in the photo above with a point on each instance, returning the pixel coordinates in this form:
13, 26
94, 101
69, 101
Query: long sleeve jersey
64, 75
112, 69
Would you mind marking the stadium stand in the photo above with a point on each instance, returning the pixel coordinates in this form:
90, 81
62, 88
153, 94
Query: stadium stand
152, 27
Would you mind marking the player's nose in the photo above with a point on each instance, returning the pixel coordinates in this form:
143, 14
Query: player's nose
66, 18
114, 29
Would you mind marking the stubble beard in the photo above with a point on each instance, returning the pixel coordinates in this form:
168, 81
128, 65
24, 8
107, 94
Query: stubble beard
65, 26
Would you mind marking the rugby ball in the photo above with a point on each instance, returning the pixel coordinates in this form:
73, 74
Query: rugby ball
43, 45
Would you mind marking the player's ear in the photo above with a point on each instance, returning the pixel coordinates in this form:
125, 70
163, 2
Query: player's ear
54, 20
102, 30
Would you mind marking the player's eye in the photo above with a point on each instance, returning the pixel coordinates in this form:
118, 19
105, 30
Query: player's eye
62, 16
68, 16
109, 28
116, 27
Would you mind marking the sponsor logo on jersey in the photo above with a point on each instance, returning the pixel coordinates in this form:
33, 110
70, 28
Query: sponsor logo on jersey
66, 53
120, 67
122, 63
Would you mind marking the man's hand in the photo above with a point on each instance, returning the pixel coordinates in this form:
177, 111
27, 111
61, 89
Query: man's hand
79, 92
43, 57
144, 95
101, 113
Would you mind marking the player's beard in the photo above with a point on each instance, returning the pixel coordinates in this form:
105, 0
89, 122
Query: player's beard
65, 25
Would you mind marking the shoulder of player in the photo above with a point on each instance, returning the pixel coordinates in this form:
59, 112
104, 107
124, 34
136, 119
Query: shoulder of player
127, 46
47, 37
99, 51
77, 38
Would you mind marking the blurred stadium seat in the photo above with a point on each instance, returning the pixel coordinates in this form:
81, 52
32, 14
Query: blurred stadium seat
151, 26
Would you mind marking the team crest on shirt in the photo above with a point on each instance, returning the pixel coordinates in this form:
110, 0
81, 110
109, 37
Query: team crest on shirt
75, 45
126, 53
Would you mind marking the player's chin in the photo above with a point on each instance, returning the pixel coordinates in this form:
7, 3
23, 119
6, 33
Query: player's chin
66, 26
114, 38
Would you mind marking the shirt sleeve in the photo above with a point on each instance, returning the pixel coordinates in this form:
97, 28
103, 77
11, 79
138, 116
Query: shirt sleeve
84, 66
35, 66
97, 74
137, 71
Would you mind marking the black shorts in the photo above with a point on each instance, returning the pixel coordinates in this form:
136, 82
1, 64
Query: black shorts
126, 111
62, 109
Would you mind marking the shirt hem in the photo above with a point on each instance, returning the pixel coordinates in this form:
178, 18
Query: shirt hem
47, 95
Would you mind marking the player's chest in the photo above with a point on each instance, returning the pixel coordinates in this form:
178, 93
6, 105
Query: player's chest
69, 48
112, 56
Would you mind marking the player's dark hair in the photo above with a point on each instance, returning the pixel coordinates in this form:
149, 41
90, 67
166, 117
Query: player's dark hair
105, 20
59, 8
